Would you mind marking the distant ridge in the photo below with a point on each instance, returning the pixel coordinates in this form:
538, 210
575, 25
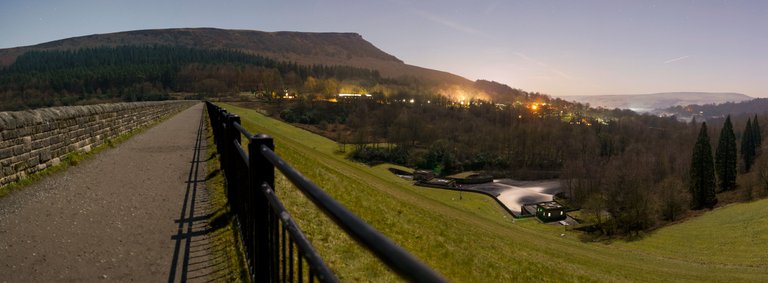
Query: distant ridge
650, 102
301, 47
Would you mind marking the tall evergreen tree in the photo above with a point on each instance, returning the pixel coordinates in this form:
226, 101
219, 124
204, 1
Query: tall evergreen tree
702, 186
757, 137
726, 158
748, 146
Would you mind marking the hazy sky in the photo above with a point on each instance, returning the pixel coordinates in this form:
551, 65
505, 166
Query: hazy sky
554, 47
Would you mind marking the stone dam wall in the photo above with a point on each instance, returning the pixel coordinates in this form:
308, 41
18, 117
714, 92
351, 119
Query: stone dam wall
33, 140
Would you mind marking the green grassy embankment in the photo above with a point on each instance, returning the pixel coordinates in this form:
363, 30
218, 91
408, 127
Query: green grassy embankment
474, 240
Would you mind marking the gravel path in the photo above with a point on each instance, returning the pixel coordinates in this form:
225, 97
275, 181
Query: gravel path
122, 215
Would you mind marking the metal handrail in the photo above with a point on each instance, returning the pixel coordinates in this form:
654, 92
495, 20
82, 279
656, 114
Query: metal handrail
260, 213
324, 273
385, 249
243, 131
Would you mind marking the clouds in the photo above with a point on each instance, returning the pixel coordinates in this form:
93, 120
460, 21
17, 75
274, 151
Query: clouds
676, 59
448, 23
441, 19
543, 65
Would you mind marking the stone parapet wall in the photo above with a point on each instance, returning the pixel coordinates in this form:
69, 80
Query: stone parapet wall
33, 140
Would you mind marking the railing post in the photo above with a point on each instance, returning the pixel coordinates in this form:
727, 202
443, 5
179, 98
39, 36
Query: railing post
223, 138
228, 156
219, 132
262, 173
213, 114
233, 134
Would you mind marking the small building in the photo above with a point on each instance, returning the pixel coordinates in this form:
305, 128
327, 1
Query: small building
550, 211
423, 175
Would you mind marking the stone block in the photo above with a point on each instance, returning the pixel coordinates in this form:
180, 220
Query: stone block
18, 167
33, 161
38, 144
10, 134
20, 158
18, 150
6, 152
45, 155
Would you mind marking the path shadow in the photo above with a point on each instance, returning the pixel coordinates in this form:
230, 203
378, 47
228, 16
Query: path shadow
193, 249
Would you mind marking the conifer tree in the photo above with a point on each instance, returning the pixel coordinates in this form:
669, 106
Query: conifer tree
757, 137
748, 146
726, 158
702, 186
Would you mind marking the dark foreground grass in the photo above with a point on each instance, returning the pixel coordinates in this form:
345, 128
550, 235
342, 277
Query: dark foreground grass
471, 239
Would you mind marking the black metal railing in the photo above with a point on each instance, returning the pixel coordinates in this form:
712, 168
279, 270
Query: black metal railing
276, 249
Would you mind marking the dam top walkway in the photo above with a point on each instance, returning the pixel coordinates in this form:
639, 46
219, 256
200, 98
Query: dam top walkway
136, 212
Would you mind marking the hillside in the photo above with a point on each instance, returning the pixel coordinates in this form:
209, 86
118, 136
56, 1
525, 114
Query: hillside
649, 102
305, 48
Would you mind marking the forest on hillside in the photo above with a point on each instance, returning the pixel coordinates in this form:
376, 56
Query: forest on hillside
137, 73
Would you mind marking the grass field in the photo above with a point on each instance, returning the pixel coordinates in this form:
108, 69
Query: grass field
474, 240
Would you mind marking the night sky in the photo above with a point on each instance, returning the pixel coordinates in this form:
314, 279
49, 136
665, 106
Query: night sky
553, 47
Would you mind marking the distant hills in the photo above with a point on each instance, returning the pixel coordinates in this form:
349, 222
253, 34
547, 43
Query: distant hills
650, 102
349, 49
715, 111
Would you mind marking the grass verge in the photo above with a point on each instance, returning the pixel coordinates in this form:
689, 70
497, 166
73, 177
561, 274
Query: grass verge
224, 235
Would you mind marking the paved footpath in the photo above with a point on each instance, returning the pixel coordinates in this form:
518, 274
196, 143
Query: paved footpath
121, 215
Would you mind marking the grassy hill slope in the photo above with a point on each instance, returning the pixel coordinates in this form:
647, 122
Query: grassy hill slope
473, 240
307, 48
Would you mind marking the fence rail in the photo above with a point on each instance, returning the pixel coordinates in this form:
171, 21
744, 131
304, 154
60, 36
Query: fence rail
276, 249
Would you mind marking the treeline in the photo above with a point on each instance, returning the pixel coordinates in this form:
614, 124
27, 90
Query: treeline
440, 135
64, 77
663, 171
